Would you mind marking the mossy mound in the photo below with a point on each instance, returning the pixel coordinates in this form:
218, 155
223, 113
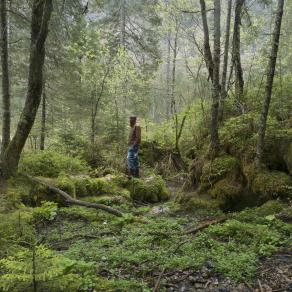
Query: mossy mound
237, 134
51, 164
111, 188
151, 189
152, 152
268, 184
287, 156
222, 167
227, 191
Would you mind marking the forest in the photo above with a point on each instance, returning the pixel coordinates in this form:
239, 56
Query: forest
146, 145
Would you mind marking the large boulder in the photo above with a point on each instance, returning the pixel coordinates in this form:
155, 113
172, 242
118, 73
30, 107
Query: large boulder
151, 189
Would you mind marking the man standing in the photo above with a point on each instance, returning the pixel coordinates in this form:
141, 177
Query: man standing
134, 142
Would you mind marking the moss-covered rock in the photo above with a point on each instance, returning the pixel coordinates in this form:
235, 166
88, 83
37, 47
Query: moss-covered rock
287, 157
227, 192
268, 184
225, 166
151, 189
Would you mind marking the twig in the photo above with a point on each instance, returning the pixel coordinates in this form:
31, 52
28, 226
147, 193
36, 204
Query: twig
206, 224
158, 281
248, 286
260, 286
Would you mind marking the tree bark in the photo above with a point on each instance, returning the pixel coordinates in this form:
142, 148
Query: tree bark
216, 84
5, 77
43, 122
269, 84
236, 57
207, 49
173, 72
167, 103
41, 13
226, 51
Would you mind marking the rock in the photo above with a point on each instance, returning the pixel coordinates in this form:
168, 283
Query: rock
209, 265
159, 210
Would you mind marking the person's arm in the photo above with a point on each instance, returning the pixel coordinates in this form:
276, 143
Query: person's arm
137, 135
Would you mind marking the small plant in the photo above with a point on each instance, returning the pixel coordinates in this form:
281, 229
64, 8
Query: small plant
47, 211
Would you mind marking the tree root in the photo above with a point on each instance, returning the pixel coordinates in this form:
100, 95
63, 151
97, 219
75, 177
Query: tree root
72, 201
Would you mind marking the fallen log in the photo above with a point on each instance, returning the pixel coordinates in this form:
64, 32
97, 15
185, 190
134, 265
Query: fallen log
206, 225
71, 201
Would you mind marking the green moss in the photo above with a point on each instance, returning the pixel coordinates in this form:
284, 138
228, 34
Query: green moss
269, 184
288, 158
227, 192
151, 189
219, 168
201, 203
50, 164
66, 184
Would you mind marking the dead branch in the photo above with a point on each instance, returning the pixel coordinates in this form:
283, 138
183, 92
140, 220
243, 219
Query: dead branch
206, 225
158, 281
72, 201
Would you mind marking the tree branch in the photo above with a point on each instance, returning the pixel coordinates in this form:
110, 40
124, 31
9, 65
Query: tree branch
73, 201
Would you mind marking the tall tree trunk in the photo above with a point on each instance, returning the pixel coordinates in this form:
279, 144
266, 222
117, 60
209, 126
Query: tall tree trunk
168, 95
5, 77
236, 58
123, 23
207, 49
41, 13
43, 122
173, 74
269, 84
216, 84
226, 51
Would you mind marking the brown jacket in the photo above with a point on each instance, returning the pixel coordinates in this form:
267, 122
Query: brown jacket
134, 136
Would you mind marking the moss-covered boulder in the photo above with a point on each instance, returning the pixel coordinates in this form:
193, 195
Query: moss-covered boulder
227, 192
287, 157
151, 189
268, 184
222, 167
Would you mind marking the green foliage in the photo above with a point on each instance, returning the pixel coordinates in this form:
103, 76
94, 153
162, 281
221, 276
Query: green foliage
42, 267
269, 184
219, 168
66, 184
227, 192
47, 211
50, 164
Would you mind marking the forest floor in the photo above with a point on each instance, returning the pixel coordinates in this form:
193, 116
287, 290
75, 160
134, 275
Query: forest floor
150, 250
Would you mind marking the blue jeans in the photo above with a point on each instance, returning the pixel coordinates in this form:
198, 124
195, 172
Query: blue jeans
133, 161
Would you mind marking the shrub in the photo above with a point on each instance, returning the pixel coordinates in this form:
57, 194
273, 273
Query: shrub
219, 168
50, 164
47, 211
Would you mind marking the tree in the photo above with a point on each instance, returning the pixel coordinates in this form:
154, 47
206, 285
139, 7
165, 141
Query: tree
41, 13
216, 84
5, 76
236, 57
269, 83
207, 50
43, 121
226, 50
